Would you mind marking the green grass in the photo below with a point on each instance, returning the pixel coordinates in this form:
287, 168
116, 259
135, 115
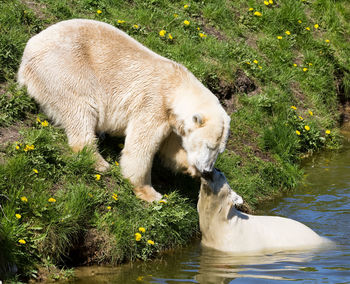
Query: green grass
256, 75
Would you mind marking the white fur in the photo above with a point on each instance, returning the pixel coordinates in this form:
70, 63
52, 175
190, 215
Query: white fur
225, 228
90, 77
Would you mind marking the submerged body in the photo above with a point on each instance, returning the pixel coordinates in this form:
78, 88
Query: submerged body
225, 228
90, 77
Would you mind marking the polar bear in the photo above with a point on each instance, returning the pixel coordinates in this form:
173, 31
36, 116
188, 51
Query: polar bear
226, 229
90, 77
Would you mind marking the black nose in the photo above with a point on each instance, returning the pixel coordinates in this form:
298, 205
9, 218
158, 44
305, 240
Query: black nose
207, 175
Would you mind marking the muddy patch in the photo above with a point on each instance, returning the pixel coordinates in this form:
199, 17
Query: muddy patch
9, 135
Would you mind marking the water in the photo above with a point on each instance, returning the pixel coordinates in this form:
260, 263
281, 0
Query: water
322, 203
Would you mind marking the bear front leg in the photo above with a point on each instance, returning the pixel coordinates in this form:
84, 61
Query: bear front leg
141, 144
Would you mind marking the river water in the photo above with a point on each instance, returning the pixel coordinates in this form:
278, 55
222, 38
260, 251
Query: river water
322, 202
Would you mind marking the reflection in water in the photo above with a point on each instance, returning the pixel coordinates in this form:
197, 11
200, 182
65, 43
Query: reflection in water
322, 203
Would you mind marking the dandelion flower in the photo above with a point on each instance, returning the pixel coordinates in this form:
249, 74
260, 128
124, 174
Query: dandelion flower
251, 9
142, 229
186, 22
202, 35
305, 69
256, 61
186, 6
327, 40
279, 37
120, 21
38, 119
99, 12
115, 196
258, 14
299, 21
24, 199
260, 67
51, 200
136, 26
90, 195
138, 237
297, 132
301, 118
287, 32
35, 171
328, 132
18, 216
293, 107
248, 62
165, 196
307, 128
45, 123
170, 36
316, 26
150, 242
310, 64
198, 28
97, 177
28, 148
271, 2
22, 242
109, 207
17, 147
311, 113
162, 34
162, 201
266, 3
295, 65
116, 163
307, 28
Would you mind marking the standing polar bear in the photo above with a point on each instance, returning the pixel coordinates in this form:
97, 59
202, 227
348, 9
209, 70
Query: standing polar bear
90, 77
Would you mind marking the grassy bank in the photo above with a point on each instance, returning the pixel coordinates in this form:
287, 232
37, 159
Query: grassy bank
281, 69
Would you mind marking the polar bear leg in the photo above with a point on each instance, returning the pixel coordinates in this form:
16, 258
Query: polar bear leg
141, 143
174, 156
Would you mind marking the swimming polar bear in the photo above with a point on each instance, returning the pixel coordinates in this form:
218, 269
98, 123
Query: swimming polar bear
226, 229
90, 77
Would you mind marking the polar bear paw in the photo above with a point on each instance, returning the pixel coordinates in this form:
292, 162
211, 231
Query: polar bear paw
147, 193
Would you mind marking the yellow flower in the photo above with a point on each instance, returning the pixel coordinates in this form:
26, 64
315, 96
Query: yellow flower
163, 201
279, 37
51, 200
266, 3
24, 199
311, 113
186, 6
295, 65
270, 1
307, 28
142, 229
293, 107
307, 128
116, 163
162, 34
165, 196
38, 119
21, 241
305, 69
150, 242
18, 216
138, 237
115, 196
287, 32
17, 147
35, 171
98, 11
316, 26
297, 132
45, 123
328, 132
251, 9
256, 61
198, 28
310, 64
120, 21
176, 15
202, 35
97, 177
327, 40
90, 195
248, 63
258, 14
260, 67
299, 21
28, 148
170, 36
136, 26
186, 22
109, 207
300, 117
140, 278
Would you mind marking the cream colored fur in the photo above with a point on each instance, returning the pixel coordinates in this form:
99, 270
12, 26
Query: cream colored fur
225, 228
91, 77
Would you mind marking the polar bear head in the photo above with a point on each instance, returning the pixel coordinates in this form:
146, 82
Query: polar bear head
204, 137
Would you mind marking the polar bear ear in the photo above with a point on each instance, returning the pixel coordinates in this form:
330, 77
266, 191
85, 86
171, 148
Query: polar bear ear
197, 119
